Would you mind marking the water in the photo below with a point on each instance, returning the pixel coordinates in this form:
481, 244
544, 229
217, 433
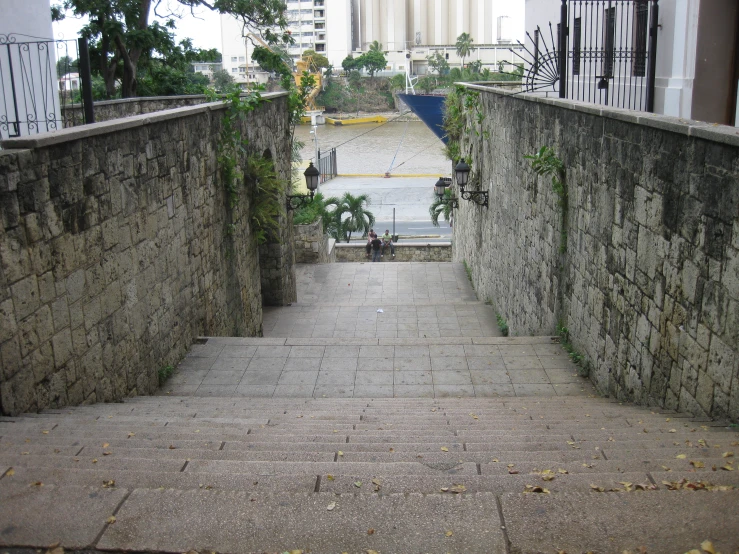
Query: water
369, 149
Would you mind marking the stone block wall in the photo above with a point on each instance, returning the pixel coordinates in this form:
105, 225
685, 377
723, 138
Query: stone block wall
649, 283
404, 252
107, 110
312, 246
114, 255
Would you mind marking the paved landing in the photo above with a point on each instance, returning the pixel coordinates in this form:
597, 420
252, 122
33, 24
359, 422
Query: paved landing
374, 369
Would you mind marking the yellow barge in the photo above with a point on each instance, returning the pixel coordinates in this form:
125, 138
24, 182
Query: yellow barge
356, 120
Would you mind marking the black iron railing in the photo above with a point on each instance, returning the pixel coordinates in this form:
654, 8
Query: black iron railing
607, 56
38, 80
327, 165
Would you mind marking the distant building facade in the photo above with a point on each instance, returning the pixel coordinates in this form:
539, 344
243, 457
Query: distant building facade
408, 30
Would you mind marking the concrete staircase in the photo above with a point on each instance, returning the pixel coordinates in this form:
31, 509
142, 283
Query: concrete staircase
485, 469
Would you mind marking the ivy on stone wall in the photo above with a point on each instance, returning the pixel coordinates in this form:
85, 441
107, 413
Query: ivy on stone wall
546, 164
459, 104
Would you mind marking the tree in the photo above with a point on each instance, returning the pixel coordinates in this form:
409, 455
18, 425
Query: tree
65, 65
375, 46
222, 80
358, 218
349, 63
438, 63
475, 67
373, 61
464, 46
441, 207
121, 35
319, 60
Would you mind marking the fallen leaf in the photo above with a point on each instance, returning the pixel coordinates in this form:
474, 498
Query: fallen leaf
448, 534
106, 445
94, 460
727, 455
131, 435
25, 453
668, 419
681, 456
727, 467
707, 546
645, 487
108, 484
457, 489
376, 481
672, 431
513, 471
666, 468
330, 477
562, 471
444, 449
597, 488
37, 484
172, 447
45, 432
372, 552
547, 477
111, 519
444, 489
697, 464
358, 484
331, 506
341, 453
392, 449
370, 531
473, 416
495, 460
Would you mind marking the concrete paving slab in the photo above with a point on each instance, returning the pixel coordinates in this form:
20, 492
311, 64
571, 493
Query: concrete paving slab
615, 522
232, 522
38, 516
373, 391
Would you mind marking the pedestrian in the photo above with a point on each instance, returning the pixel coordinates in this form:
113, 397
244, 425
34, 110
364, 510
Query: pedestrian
376, 249
387, 240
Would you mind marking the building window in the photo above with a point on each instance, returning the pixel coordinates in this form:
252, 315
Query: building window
577, 46
234, 70
318, 13
320, 47
308, 12
320, 26
641, 19
242, 70
234, 59
609, 42
242, 59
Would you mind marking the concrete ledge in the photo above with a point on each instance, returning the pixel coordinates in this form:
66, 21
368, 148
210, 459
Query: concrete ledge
716, 133
404, 252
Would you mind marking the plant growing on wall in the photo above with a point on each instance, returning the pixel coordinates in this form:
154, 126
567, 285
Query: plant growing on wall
546, 164
267, 193
459, 104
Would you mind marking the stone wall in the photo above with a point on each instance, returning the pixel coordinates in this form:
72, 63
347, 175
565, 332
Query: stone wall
114, 255
312, 246
649, 283
404, 252
107, 110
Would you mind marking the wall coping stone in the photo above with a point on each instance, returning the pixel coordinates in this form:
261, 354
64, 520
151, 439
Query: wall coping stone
724, 134
115, 125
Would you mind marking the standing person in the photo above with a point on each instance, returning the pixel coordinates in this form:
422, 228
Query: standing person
376, 249
387, 240
370, 236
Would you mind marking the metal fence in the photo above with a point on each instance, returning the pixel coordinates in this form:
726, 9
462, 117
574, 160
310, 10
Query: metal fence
608, 52
327, 165
38, 80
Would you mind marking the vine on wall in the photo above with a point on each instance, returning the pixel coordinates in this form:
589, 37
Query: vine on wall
546, 164
459, 104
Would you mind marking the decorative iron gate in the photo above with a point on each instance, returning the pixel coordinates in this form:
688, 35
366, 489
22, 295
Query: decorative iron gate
606, 54
611, 48
38, 85
327, 165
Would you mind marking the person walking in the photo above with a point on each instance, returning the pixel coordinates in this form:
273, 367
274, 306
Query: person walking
376, 249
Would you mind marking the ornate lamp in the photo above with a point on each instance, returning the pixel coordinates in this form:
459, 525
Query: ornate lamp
312, 176
462, 172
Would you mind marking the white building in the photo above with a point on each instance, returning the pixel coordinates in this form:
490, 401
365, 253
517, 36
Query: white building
206, 68
29, 99
697, 57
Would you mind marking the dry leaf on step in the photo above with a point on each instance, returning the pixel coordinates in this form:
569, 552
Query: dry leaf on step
697, 464
331, 506
727, 454
448, 533
681, 456
444, 449
707, 546
111, 519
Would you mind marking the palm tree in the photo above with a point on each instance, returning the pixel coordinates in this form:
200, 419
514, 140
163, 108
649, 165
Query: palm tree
375, 46
358, 218
441, 207
464, 46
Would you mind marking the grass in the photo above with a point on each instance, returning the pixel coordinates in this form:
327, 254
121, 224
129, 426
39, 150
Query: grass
165, 373
578, 359
469, 272
502, 323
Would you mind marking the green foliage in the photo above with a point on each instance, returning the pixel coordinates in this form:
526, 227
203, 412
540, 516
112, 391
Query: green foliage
122, 38
460, 104
464, 46
583, 368
468, 270
65, 65
266, 204
349, 63
320, 206
397, 82
165, 373
159, 79
437, 62
373, 61
354, 217
223, 81
319, 60
545, 163
441, 207
502, 324
376, 46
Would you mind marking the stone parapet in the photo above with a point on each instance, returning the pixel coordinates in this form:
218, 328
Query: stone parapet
404, 252
648, 286
114, 254
312, 246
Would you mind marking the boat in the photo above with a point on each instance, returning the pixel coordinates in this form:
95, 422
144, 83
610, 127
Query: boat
430, 109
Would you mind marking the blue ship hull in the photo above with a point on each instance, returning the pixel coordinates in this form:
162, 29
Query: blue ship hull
430, 109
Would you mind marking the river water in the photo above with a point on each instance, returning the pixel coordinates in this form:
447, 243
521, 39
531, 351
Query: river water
403, 148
